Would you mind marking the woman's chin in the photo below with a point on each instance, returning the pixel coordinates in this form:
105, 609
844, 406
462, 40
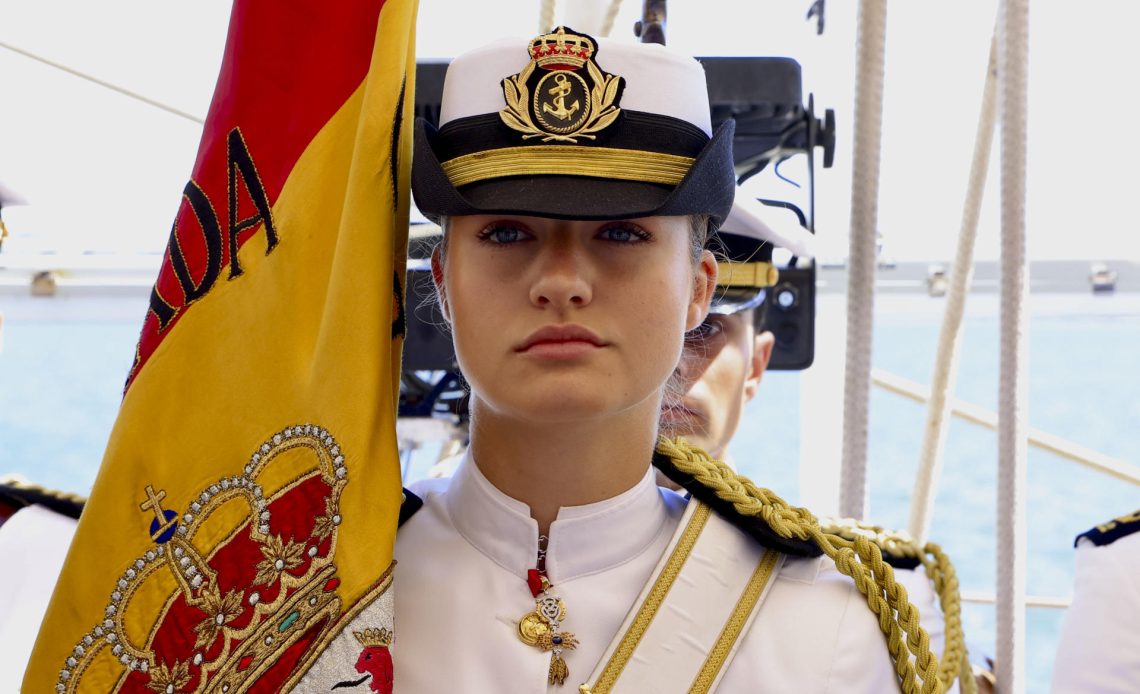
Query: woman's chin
558, 406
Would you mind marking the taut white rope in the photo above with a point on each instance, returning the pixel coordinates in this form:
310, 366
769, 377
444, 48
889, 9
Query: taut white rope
611, 16
1013, 54
861, 258
946, 363
113, 87
545, 16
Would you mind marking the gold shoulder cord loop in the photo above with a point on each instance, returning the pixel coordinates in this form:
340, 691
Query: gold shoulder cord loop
940, 571
860, 558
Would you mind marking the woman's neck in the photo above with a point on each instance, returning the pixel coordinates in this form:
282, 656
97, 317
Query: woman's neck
548, 466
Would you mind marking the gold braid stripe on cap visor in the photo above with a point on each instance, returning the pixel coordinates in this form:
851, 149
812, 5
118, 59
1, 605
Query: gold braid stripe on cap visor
568, 160
730, 274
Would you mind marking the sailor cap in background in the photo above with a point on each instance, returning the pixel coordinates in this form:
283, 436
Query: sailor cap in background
570, 127
743, 246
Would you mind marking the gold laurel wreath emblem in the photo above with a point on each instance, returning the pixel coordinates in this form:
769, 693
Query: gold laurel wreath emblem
603, 112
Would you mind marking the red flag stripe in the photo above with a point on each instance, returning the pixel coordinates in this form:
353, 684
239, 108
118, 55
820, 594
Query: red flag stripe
278, 85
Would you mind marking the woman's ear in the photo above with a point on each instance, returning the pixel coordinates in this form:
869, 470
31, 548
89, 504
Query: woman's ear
440, 287
704, 284
762, 345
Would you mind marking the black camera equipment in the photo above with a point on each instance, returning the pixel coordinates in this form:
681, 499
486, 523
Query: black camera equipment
764, 96
430, 381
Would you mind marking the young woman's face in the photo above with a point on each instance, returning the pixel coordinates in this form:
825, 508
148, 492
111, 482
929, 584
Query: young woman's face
568, 320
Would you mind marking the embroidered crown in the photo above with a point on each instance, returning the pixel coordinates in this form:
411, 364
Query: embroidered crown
561, 50
374, 637
238, 588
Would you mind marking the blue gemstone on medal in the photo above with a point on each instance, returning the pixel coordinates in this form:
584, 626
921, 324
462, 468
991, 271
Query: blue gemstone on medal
557, 640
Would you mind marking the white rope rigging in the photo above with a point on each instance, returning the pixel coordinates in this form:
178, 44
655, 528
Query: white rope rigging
946, 363
583, 15
870, 53
95, 80
611, 16
1013, 55
545, 16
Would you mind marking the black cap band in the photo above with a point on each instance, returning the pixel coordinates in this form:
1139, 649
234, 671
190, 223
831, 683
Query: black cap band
641, 169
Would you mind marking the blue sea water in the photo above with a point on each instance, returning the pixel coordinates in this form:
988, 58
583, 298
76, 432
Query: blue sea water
60, 385
1084, 386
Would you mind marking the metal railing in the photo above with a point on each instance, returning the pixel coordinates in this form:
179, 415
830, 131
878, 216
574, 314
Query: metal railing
1037, 439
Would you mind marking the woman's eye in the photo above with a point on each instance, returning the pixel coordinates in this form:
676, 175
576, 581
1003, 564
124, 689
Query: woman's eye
705, 330
624, 233
502, 235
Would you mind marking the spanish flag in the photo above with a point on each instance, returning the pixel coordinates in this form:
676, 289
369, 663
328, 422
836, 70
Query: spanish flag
247, 503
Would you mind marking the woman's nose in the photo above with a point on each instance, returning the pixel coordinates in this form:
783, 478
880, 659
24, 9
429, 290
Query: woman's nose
562, 279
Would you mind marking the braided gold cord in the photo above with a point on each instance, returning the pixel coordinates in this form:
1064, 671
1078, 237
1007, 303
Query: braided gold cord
874, 578
940, 571
860, 558
955, 657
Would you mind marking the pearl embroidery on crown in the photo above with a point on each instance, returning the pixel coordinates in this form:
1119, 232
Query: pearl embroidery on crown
110, 632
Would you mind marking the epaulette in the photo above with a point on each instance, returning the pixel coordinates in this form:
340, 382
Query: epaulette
18, 494
1113, 530
755, 526
409, 506
897, 547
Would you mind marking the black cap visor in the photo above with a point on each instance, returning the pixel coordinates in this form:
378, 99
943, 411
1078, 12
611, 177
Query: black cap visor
707, 188
729, 300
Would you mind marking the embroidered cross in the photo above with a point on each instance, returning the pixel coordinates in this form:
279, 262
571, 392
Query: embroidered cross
163, 521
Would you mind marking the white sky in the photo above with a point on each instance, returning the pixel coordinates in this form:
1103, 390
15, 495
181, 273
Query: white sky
104, 172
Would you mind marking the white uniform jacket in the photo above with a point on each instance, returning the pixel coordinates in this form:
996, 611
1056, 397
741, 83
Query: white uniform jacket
1099, 650
33, 545
461, 585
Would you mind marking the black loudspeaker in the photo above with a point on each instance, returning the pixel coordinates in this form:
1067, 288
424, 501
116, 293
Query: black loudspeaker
789, 307
790, 316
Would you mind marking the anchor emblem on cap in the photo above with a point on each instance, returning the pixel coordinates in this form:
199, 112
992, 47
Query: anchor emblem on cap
572, 97
560, 91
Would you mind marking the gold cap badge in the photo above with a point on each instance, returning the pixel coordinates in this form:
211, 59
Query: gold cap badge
561, 94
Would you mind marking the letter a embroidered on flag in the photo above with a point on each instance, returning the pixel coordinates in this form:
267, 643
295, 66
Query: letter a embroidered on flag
247, 504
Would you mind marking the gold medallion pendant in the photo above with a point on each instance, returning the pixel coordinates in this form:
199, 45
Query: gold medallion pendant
542, 629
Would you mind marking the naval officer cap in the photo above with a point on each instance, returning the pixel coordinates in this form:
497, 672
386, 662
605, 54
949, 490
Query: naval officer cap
744, 245
571, 127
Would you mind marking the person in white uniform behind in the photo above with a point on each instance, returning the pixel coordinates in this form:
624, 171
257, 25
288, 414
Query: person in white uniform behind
36, 527
576, 182
1099, 648
724, 361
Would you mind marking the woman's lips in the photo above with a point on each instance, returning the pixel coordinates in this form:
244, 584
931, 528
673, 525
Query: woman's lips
559, 342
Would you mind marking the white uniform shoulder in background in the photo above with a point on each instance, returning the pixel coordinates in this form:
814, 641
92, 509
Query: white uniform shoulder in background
33, 544
462, 584
1099, 649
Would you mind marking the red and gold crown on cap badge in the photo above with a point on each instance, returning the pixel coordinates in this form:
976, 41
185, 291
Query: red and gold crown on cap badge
562, 50
239, 588
561, 95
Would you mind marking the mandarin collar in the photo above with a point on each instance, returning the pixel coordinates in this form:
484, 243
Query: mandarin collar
583, 539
